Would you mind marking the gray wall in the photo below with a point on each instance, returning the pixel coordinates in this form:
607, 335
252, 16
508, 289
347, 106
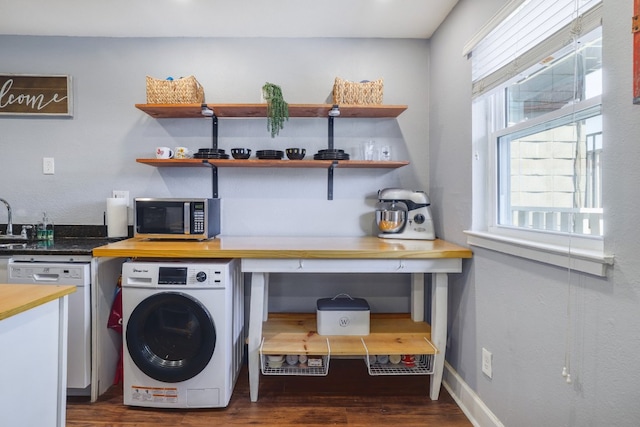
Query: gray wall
95, 151
516, 308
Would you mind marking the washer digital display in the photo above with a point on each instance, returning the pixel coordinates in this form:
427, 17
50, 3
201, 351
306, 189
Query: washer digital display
172, 276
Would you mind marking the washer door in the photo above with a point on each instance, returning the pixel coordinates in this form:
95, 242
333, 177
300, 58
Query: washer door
171, 337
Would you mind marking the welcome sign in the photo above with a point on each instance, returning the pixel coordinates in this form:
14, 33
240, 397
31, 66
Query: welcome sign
35, 95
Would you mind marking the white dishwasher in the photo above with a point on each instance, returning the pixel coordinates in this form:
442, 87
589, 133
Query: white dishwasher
79, 336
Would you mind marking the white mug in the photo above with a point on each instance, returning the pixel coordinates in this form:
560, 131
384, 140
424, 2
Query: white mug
164, 153
182, 153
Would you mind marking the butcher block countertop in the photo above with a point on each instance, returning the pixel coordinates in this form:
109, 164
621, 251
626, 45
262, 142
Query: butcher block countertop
273, 247
15, 299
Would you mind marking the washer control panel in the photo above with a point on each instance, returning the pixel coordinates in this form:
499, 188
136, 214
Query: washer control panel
175, 274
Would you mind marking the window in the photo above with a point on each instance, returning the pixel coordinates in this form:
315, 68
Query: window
546, 172
537, 124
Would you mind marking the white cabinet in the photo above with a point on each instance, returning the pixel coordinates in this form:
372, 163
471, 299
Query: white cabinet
33, 363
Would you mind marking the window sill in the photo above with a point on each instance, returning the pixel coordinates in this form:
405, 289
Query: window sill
586, 261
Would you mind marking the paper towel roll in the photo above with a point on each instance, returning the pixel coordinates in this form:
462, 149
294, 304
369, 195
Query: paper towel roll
117, 221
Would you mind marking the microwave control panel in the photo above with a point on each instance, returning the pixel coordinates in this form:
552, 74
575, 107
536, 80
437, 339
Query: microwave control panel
198, 218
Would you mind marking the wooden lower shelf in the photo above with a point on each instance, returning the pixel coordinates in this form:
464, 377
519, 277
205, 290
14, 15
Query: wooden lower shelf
390, 334
258, 163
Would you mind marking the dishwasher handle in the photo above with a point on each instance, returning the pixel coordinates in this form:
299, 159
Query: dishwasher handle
46, 277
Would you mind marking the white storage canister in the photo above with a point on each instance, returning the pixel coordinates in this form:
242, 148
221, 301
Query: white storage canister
343, 315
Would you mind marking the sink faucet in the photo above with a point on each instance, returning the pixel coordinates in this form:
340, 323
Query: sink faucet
9, 222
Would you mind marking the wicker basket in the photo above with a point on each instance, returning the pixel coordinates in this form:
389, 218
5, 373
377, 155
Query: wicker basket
346, 92
185, 90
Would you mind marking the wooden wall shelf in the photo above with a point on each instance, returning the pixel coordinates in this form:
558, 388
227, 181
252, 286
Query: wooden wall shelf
165, 111
258, 163
183, 111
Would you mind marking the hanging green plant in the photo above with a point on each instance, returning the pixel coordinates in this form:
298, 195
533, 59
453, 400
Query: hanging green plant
277, 108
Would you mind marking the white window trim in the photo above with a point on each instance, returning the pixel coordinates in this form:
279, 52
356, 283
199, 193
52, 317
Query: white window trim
587, 261
571, 251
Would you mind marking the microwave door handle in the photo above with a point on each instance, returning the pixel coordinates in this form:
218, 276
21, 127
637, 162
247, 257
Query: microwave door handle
187, 218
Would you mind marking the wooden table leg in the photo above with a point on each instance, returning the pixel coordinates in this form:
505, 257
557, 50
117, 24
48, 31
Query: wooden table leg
417, 297
257, 305
63, 337
438, 329
265, 305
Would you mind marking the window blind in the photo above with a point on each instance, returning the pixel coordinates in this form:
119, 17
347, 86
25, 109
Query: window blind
526, 37
495, 20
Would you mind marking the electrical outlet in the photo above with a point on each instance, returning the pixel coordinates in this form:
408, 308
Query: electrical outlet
48, 166
121, 194
487, 367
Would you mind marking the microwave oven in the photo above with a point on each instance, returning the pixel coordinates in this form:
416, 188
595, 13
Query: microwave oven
193, 219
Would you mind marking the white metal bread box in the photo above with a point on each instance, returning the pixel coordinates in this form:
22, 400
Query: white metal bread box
343, 315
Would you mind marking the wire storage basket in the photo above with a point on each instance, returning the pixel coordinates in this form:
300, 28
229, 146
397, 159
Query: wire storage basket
357, 93
301, 365
406, 364
185, 90
422, 364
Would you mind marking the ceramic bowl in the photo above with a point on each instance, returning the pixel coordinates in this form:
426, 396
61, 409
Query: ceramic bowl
296, 153
275, 365
240, 153
275, 361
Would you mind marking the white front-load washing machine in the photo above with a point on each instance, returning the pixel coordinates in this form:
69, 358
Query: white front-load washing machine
183, 331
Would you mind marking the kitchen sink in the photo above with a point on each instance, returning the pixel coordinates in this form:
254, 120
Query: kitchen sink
12, 238
12, 245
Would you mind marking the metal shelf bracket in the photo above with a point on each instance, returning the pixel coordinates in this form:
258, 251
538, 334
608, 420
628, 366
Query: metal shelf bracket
214, 179
330, 180
333, 113
208, 112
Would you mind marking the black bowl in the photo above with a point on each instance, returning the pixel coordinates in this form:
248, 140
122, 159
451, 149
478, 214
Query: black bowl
296, 153
240, 153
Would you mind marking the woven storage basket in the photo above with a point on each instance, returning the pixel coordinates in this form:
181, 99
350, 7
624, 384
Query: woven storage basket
346, 92
185, 90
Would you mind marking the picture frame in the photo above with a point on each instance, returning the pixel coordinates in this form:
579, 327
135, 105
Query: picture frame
36, 95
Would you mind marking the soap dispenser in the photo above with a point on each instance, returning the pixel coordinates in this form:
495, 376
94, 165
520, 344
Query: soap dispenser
41, 233
45, 228
49, 228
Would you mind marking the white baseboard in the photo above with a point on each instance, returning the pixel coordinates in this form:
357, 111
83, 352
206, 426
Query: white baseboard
470, 403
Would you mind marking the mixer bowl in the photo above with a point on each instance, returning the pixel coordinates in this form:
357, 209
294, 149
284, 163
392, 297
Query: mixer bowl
390, 221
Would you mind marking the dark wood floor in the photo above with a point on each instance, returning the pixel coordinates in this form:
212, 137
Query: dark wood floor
348, 396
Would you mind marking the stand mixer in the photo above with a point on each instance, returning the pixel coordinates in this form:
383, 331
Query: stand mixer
404, 214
